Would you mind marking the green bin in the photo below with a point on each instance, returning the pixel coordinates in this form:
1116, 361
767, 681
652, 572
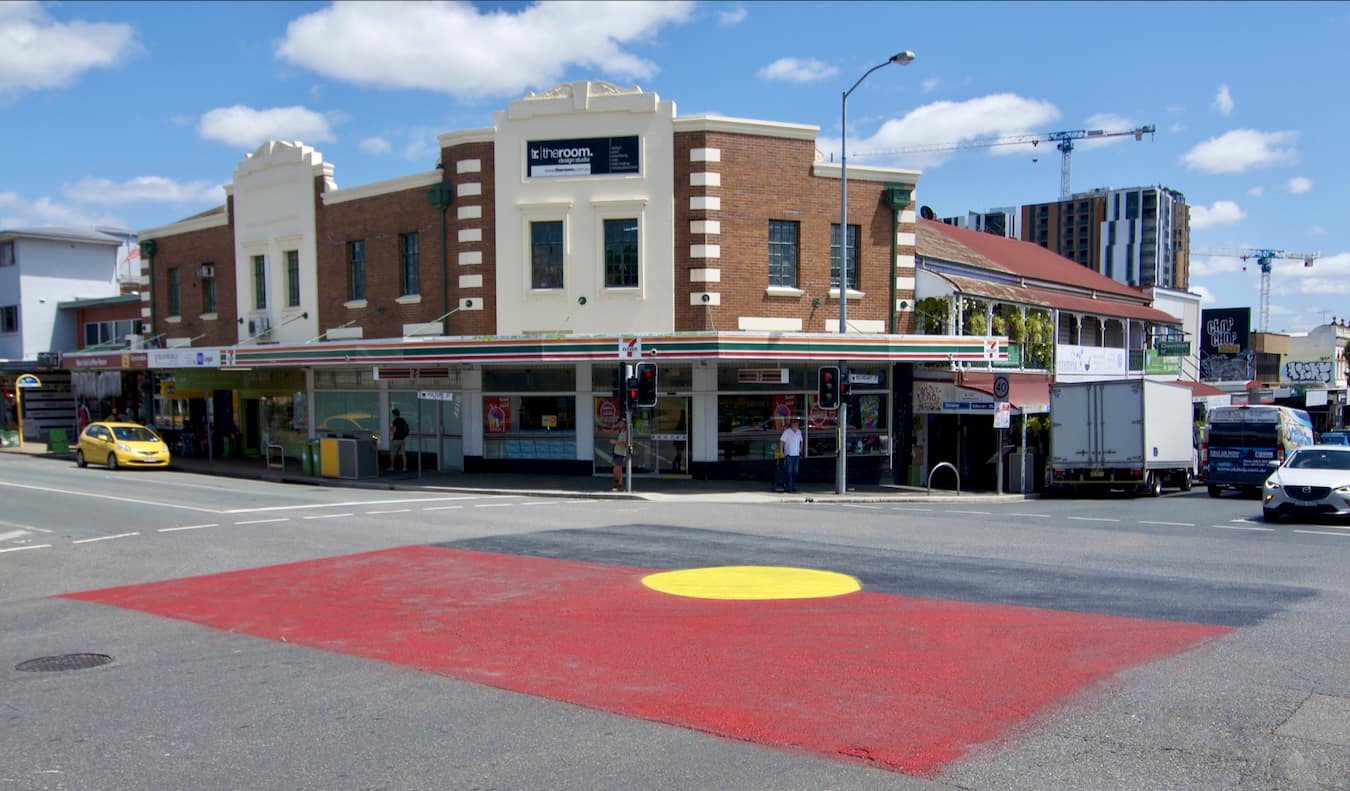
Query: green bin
309, 457
57, 441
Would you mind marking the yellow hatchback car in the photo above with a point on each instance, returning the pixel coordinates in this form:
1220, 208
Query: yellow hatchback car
121, 445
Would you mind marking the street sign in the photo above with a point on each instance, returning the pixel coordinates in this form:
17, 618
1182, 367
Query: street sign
1001, 386
1002, 414
435, 395
1174, 348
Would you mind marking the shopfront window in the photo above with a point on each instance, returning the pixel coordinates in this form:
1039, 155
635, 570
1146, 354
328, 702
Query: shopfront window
347, 414
529, 426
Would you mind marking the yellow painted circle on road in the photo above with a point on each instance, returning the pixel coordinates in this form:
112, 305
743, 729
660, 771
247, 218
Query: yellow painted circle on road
752, 582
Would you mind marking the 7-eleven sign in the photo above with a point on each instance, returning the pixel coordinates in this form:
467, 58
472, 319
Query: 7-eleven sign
630, 348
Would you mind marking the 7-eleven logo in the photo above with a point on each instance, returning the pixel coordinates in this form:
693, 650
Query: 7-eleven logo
630, 349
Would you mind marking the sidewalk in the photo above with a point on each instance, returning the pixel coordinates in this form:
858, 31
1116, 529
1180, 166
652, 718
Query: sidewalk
598, 486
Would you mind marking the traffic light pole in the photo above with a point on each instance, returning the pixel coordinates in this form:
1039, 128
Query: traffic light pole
628, 457
841, 462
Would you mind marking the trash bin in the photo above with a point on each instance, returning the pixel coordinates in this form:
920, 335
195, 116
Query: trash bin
309, 457
57, 441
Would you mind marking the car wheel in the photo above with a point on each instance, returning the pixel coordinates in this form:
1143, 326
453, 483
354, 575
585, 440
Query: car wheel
1215, 491
1187, 482
79, 459
1270, 515
1152, 484
112, 461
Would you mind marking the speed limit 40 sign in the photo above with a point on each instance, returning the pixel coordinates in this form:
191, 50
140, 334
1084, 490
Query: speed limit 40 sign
1001, 386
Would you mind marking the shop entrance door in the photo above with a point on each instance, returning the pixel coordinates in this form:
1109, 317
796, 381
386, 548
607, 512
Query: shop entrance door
662, 438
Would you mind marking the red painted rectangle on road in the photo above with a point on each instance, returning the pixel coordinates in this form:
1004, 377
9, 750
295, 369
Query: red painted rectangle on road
904, 683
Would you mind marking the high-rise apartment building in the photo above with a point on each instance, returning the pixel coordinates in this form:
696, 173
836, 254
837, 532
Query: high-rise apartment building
1004, 221
1138, 236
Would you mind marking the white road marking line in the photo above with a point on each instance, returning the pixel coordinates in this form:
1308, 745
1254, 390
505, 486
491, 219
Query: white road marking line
897, 508
976, 513
20, 549
863, 507
494, 505
433, 508
348, 504
1168, 524
1323, 533
329, 516
109, 497
13, 534
104, 538
391, 511
187, 527
1038, 516
545, 502
1243, 527
264, 521
1092, 519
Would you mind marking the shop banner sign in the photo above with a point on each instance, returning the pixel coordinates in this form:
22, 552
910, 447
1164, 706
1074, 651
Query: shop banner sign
498, 411
1078, 363
183, 358
588, 156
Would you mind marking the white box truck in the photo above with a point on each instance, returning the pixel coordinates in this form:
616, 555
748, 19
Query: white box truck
1132, 434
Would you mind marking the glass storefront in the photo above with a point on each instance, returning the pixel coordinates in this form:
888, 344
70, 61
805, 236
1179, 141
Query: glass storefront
531, 423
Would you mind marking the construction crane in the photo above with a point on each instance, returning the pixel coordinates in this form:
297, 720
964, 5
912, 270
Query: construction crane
1264, 258
1063, 142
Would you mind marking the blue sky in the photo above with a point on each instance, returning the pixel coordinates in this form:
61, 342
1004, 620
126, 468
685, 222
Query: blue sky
134, 114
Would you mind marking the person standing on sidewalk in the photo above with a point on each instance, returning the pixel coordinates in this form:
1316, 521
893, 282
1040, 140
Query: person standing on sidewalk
620, 445
399, 435
791, 446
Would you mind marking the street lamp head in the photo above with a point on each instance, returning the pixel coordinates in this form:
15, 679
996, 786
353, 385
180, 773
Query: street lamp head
903, 58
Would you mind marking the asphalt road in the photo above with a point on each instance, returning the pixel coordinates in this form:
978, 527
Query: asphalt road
265, 635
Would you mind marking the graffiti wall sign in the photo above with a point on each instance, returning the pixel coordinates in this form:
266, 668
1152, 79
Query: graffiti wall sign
1308, 371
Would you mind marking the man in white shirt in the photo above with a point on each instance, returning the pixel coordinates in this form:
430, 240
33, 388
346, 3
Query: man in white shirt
790, 444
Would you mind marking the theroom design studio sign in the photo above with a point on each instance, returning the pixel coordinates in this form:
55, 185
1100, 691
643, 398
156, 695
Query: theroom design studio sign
591, 156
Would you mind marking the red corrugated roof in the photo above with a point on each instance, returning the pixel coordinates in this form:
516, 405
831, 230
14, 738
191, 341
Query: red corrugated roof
1053, 299
940, 240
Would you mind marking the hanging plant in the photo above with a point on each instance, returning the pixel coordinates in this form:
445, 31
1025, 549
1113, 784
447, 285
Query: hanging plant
974, 321
931, 313
1016, 327
1000, 324
1039, 334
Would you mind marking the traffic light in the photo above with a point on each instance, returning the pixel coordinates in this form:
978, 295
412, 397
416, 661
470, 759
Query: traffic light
630, 392
844, 383
827, 392
646, 377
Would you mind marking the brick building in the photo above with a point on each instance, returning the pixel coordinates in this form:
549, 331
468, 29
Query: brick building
586, 216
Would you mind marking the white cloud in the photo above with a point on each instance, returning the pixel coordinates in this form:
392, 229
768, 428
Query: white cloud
19, 212
1235, 151
929, 85
944, 124
1206, 296
375, 145
142, 189
37, 52
1223, 212
1255, 192
1107, 122
1206, 265
245, 126
1176, 127
795, 70
1299, 185
733, 16
1223, 101
454, 48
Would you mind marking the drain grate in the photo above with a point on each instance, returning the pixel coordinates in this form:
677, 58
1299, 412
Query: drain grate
50, 664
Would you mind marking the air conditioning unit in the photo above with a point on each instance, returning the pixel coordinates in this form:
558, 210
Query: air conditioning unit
206, 270
260, 325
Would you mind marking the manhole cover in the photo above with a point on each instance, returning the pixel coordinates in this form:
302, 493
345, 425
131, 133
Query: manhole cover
48, 664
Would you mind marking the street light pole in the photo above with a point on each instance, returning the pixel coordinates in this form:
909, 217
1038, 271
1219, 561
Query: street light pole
841, 462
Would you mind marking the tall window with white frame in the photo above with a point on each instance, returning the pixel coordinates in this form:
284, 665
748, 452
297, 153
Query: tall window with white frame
784, 253
409, 268
175, 305
293, 278
621, 253
356, 270
260, 282
853, 234
208, 288
546, 254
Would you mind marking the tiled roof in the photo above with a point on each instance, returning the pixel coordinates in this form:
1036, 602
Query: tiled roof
1025, 259
1104, 306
